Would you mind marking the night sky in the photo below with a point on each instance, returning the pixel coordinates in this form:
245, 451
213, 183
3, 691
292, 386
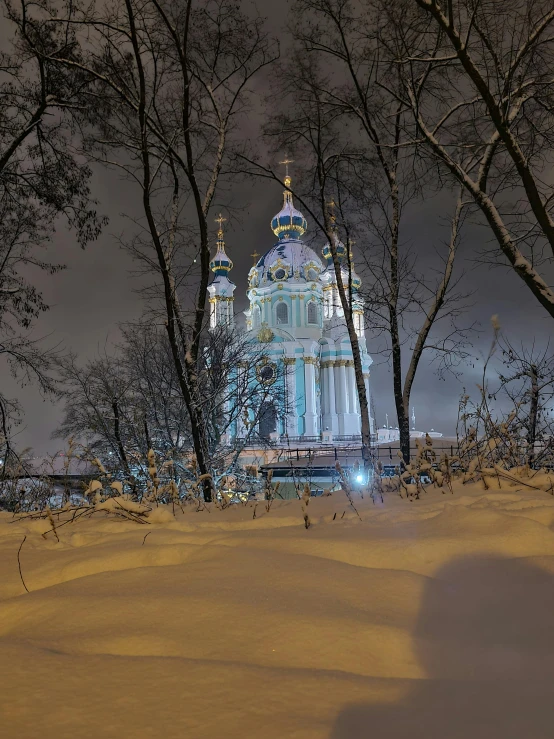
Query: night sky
95, 293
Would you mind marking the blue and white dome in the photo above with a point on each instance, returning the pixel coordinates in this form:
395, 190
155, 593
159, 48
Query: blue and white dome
220, 264
290, 259
289, 223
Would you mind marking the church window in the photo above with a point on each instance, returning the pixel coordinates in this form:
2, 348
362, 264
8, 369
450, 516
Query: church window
280, 274
266, 373
312, 274
282, 313
256, 317
312, 313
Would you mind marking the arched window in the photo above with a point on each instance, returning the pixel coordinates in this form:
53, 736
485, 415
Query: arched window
282, 313
312, 313
312, 274
256, 317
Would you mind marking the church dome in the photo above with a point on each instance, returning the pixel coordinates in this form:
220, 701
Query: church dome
289, 223
287, 259
341, 253
220, 264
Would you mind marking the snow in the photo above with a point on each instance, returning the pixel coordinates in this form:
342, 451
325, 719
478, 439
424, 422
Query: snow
429, 618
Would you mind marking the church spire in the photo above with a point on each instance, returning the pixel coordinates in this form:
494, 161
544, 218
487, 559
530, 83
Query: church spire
221, 290
220, 264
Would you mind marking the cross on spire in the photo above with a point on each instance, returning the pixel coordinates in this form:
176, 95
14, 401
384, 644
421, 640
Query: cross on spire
286, 161
255, 255
220, 220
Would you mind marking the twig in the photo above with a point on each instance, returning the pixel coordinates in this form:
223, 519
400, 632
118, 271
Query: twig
148, 534
19, 563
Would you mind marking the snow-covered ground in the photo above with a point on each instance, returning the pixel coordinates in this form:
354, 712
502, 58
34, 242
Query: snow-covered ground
427, 619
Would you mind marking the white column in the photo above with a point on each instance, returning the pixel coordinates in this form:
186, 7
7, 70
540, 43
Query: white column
340, 393
368, 396
352, 424
329, 412
354, 402
310, 416
291, 421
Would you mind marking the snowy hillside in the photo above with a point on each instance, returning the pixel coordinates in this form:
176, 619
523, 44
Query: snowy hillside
429, 618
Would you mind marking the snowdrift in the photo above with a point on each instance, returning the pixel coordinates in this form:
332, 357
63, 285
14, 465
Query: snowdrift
429, 618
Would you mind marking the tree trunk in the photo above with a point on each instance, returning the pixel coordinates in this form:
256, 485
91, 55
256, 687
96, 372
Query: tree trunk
533, 415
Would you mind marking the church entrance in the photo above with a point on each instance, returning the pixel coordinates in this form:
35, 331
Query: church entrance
268, 419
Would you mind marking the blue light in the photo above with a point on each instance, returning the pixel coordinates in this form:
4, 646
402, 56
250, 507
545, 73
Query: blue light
359, 478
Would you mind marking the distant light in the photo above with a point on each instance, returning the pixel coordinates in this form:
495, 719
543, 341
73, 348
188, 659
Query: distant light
359, 478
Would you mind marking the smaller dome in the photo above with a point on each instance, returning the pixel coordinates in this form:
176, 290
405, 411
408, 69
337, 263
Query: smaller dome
341, 252
289, 223
221, 264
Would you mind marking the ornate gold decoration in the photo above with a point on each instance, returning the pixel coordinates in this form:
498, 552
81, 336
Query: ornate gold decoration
313, 286
289, 360
302, 296
265, 334
340, 363
286, 161
280, 297
279, 286
349, 362
293, 297
255, 256
366, 375
266, 372
309, 360
220, 220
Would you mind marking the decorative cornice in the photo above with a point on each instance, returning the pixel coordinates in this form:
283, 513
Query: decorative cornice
310, 360
340, 363
289, 360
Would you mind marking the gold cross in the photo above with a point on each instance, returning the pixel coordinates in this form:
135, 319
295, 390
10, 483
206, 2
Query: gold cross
286, 161
220, 219
255, 255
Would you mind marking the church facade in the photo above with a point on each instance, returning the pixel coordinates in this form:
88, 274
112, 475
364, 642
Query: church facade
295, 312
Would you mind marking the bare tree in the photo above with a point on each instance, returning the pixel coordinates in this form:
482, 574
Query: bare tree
351, 130
477, 78
169, 82
511, 423
122, 406
528, 383
41, 178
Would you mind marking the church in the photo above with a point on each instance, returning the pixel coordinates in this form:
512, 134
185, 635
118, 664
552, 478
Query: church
296, 313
